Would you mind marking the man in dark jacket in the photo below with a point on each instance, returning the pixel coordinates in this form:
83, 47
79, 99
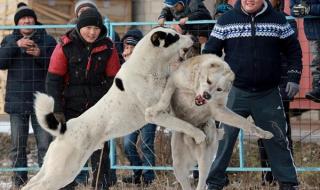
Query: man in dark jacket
301, 8
184, 10
25, 54
253, 37
81, 71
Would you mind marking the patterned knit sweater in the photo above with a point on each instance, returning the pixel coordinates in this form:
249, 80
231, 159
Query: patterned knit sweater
253, 43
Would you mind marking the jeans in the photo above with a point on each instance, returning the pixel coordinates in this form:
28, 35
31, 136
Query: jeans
267, 112
315, 64
19, 138
147, 147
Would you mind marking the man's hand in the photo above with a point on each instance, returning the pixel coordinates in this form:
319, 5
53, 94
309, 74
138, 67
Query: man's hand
161, 21
300, 10
60, 117
183, 21
292, 89
177, 28
25, 43
33, 50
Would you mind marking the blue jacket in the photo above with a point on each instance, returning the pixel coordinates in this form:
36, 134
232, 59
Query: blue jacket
311, 25
253, 45
26, 73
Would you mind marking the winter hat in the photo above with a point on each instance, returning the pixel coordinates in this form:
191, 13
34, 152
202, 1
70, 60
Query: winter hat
132, 37
22, 11
84, 3
223, 7
90, 17
172, 3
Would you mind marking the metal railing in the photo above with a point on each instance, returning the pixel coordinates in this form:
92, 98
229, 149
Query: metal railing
111, 28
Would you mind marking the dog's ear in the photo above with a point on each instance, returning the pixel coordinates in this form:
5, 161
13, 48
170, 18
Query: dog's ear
168, 38
157, 36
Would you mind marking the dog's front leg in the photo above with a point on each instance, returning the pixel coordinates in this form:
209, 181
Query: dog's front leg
225, 115
164, 101
166, 120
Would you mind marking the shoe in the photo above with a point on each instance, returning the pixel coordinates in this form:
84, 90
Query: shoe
131, 179
213, 188
288, 186
314, 95
268, 179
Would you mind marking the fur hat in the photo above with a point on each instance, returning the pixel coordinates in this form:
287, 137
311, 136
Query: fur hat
172, 3
22, 11
132, 37
84, 3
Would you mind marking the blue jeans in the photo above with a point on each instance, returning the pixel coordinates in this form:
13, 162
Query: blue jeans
19, 137
147, 147
267, 112
315, 64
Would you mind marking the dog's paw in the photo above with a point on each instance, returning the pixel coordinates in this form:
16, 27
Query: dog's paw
199, 137
261, 133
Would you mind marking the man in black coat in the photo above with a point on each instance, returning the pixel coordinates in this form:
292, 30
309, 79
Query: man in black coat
25, 54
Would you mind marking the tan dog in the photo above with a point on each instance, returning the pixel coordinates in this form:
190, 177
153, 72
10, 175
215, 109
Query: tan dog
197, 92
121, 111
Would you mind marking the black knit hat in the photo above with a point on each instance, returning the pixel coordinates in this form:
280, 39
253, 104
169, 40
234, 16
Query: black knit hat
90, 17
22, 11
132, 37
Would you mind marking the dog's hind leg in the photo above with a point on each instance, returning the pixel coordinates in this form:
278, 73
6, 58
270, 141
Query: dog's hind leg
204, 163
182, 160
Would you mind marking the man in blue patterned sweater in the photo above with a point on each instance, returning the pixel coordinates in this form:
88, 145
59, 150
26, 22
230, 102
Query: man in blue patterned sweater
253, 36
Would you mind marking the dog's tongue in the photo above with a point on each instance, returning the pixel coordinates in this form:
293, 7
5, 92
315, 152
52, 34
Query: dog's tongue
199, 100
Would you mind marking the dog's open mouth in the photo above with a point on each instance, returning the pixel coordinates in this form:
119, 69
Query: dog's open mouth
199, 100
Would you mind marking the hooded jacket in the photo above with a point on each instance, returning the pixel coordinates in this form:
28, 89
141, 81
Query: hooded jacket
253, 44
26, 73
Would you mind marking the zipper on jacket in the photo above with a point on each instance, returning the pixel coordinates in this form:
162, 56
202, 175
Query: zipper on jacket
253, 33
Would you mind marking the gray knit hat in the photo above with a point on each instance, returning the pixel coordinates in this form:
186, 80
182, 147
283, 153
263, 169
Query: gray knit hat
84, 3
22, 11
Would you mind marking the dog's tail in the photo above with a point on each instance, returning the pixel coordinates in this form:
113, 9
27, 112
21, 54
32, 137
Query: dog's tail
43, 106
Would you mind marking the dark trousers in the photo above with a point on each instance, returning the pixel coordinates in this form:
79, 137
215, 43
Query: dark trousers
267, 176
267, 112
147, 133
19, 138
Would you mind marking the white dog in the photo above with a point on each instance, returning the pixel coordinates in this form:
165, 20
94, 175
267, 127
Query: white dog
197, 92
121, 111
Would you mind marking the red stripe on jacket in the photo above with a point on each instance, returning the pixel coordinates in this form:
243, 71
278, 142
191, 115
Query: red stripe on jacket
58, 61
113, 65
